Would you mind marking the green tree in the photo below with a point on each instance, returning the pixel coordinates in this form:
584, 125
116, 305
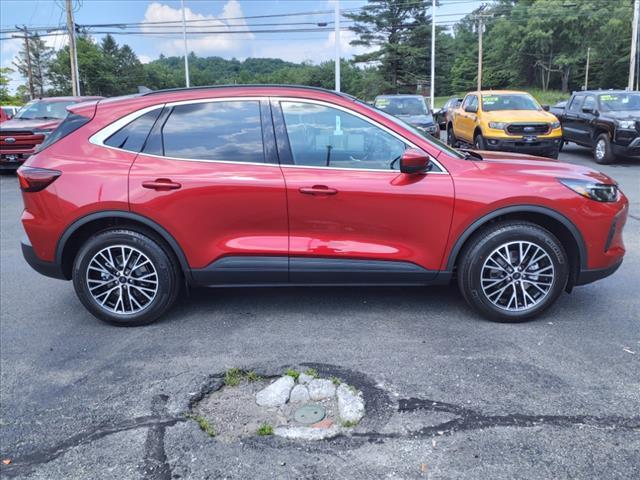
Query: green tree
41, 56
387, 25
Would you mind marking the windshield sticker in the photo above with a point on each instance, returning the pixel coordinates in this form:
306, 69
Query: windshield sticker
489, 100
609, 98
383, 102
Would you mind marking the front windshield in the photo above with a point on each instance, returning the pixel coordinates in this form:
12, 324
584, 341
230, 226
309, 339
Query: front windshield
37, 109
492, 103
432, 140
617, 102
403, 105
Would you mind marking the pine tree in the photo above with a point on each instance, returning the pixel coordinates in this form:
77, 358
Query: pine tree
41, 57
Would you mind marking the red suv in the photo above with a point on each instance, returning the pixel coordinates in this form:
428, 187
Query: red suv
134, 197
21, 135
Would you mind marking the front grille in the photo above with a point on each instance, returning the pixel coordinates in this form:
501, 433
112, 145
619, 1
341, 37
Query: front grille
528, 128
23, 141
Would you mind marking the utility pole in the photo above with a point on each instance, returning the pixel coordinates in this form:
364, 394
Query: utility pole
336, 22
433, 52
73, 52
634, 44
586, 72
186, 51
28, 52
480, 31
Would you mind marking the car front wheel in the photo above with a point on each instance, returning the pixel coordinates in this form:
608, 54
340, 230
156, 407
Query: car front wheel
125, 278
513, 271
479, 142
602, 152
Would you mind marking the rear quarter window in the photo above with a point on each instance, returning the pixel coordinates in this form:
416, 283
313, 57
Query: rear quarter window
69, 125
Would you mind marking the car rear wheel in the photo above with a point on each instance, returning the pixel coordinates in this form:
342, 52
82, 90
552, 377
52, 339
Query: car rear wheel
451, 137
602, 152
125, 278
513, 271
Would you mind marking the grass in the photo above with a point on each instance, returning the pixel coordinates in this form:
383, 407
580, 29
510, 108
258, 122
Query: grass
335, 380
233, 377
312, 372
348, 424
253, 377
293, 373
264, 430
203, 423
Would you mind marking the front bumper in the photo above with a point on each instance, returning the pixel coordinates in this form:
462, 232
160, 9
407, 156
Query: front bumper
623, 147
11, 161
523, 145
590, 276
49, 269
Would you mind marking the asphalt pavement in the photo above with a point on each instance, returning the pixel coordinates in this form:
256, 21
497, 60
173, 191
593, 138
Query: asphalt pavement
449, 395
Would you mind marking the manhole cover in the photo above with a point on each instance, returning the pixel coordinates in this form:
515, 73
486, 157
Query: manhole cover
309, 414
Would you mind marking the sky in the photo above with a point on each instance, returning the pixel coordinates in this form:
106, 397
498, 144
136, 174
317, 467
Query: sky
292, 46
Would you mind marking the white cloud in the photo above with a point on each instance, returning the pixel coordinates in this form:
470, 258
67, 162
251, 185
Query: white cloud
144, 58
202, 44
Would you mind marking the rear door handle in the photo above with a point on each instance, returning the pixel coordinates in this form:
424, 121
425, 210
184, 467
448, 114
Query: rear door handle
318, 190
161, 184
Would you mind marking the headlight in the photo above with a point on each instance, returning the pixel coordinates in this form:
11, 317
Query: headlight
627, 124
600, 192
44, 132
497, 125
555, 125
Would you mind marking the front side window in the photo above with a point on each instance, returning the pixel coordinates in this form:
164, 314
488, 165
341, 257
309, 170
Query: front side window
226, 131
322, 136
576, 103
470, 101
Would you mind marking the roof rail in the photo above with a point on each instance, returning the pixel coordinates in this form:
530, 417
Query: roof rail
206, 87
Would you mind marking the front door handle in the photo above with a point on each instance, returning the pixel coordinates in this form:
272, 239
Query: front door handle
318, 190
161, 184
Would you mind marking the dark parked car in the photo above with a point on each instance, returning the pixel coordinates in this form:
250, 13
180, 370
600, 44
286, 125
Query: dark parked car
132, 198
558, 108
443, 116
413, 109
607, 121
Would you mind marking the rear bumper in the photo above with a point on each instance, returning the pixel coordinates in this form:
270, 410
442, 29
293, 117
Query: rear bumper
590, 276
49, 269
519, 145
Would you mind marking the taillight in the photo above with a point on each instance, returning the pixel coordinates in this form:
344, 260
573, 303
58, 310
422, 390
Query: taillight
35, 179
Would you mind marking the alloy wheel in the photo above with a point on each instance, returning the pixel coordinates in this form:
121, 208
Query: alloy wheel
121, 279
601, 149
517, 276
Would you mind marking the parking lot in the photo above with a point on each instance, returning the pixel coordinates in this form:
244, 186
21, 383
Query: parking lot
451, 395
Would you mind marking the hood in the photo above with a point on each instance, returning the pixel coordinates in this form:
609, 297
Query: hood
513, 163
36, 124
519, 116
417, 119
622, 114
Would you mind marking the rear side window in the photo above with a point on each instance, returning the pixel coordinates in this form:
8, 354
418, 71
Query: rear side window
132, 136
69, 125
227, 131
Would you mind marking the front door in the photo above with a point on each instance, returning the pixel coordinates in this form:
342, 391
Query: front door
209, 176
353, 217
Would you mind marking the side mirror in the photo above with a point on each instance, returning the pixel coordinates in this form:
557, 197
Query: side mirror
545, 108
414, 161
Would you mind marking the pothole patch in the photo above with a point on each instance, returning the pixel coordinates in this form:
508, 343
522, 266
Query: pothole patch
298, 404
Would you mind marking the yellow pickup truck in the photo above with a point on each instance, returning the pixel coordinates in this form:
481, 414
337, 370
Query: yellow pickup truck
505, 120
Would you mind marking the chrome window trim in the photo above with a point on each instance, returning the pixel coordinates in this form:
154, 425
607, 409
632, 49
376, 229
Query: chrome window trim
103, 134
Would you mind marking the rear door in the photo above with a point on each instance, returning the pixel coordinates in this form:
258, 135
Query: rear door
208, 174
354, 218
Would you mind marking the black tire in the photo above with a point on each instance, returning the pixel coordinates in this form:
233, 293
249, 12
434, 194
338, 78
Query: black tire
482, 245
555, 153
479, 143
607, 156
451, 137
167, 274
561, 145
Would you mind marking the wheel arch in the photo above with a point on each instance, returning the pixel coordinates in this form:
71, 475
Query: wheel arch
81, 229
563, 228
